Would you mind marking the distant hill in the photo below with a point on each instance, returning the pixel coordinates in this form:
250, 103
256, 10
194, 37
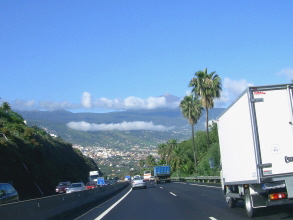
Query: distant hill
55, 123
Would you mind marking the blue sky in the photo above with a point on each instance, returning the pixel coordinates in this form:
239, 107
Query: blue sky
96, 56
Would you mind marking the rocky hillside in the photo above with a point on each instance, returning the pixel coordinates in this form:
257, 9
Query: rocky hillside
34, 161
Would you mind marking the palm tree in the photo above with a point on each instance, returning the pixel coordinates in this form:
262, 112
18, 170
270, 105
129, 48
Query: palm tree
191, 109
150, 161
162, 151
171, 145
208, 86
177, 158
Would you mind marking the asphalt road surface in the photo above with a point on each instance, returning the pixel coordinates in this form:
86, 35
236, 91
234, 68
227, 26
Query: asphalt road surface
178, 201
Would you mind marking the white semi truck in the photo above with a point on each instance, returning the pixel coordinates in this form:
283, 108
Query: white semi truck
256, 145
93, 176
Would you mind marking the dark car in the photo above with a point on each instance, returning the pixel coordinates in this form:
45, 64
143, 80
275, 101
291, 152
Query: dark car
8, 194
62, 187
107, 183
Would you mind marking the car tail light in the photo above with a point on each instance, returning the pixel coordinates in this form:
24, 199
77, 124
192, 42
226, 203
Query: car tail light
277, 196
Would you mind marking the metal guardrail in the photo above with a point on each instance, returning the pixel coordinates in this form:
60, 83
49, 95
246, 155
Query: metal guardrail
207, 179
56, 206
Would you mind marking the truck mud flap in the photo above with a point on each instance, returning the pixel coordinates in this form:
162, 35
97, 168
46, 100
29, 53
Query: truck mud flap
259, 200
289, 186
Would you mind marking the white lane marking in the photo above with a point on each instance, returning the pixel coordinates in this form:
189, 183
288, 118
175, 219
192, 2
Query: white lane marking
111, 207
212, 218
205, 185
173, 194
161, 187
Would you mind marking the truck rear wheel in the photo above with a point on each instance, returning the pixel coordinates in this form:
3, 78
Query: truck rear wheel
231, 202
251, 212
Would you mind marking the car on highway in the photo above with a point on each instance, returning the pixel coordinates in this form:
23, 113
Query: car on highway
152, 178
8, 194
75, 187
138, 182
107, 183
62, 187
91, 185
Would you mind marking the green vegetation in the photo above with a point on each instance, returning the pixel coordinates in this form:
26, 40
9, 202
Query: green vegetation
207, 86
191, 109
33, 161
180, 155
192, 157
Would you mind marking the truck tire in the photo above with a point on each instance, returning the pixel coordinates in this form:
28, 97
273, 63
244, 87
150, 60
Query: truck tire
231, 202
251, 212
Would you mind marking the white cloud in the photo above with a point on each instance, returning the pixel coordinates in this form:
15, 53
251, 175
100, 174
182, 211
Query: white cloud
235, 87
86, 100
124, 126
231, 89
287, 72
155, 102
89, 103
131, 102
51, 105
45, 105
22, 104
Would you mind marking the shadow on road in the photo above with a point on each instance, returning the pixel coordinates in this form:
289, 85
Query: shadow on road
285, 210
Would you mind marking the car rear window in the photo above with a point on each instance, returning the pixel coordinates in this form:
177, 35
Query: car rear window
62, 184
2, 188
138, 178
9, 189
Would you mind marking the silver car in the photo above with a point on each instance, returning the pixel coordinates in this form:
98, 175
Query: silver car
138, 182
75, 187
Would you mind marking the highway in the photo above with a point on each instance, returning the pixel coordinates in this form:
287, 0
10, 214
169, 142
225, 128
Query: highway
176, 200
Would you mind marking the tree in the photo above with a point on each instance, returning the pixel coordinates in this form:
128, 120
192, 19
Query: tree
178, 158
150, 161
141, 163
208, 86
162, 151
6, 106
165, 151
191, 109
171, 145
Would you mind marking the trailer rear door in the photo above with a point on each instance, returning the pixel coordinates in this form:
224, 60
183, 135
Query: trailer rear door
275, 132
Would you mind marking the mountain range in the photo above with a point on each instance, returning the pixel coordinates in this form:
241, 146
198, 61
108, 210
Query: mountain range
55, 123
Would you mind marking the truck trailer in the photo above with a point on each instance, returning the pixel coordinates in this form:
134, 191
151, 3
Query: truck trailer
256, 146
93, 176
162, 173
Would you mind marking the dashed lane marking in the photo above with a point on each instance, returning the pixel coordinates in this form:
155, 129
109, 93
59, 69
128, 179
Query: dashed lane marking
173, 194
